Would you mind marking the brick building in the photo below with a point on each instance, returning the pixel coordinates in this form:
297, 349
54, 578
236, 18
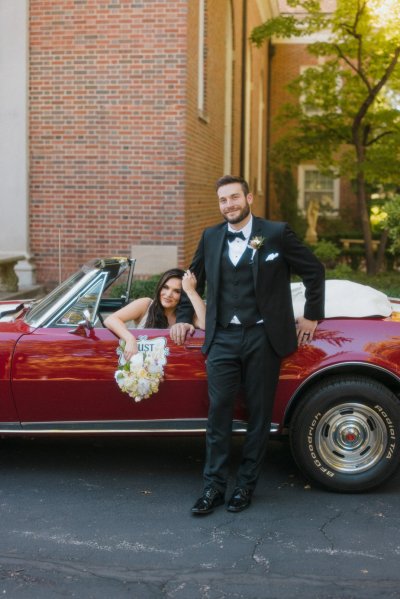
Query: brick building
289, 58
116, 119
132, 110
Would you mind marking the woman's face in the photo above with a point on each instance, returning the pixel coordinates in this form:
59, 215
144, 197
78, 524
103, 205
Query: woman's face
170, 293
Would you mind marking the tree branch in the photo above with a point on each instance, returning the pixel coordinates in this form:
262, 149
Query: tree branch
355, 68
378, 137
374, 92
352, 31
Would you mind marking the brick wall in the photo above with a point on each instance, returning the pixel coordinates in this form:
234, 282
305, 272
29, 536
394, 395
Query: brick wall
119, 154
107, 99
205, 133
258, 120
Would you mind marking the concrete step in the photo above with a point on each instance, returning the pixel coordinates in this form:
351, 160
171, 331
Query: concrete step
34, 292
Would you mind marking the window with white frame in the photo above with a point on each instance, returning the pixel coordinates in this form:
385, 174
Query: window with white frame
307, 109
318, 188
314, 101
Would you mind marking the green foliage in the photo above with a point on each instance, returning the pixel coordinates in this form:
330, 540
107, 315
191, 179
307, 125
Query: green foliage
289, 25
338, 227
341, 271
140, 288
286, 194
327, 252
345, 113
392, 224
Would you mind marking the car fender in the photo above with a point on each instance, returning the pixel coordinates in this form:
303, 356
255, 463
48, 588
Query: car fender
372, 371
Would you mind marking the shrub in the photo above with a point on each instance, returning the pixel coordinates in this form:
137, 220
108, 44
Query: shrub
140, 288
286, 193
327, 252
341, 271
392, 223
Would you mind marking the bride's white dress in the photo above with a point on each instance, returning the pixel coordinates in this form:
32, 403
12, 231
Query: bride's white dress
345, 299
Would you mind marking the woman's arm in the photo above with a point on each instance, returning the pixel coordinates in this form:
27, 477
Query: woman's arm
189, 286
116, 323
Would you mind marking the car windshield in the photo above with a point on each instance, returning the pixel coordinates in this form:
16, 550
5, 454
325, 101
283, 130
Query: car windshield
39, 309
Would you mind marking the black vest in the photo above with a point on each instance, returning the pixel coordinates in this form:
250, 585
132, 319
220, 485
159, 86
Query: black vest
236, 290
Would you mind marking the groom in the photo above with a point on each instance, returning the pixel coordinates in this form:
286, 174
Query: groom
247, 262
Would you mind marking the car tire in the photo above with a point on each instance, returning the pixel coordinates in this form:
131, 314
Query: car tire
345, 433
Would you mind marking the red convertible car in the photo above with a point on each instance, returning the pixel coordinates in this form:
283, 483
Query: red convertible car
338, 398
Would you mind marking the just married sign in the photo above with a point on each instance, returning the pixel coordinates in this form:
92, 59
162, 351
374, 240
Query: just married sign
141, 376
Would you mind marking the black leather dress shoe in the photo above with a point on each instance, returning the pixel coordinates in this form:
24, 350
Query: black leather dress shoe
210, 499
240, 500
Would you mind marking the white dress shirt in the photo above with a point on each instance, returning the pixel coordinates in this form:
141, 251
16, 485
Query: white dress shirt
238, 246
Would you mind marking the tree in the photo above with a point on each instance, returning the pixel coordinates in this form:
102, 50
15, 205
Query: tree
286, 192
392, 223
347, 113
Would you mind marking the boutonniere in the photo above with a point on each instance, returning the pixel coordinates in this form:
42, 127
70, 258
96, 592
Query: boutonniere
255, 244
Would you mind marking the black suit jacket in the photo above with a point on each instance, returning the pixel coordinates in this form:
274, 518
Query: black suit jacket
280, 254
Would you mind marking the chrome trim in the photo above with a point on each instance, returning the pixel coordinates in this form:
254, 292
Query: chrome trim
351, 437
118, 427
92, 270
52, 320
67, 298
10, 427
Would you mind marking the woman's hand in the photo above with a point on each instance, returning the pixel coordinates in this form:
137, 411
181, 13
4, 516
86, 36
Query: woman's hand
189, 282
130, 348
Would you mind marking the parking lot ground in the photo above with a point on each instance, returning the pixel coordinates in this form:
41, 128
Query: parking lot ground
110, 518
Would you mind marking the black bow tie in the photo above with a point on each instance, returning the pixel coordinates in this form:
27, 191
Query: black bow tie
231, 235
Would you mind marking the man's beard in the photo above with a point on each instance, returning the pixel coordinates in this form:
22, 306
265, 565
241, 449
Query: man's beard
240, 217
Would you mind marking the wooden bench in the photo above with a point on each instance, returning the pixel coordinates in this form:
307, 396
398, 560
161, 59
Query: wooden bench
346, 243
8, 278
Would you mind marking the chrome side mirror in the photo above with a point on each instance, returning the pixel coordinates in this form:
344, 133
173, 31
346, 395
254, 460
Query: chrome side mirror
87, 320
83, 325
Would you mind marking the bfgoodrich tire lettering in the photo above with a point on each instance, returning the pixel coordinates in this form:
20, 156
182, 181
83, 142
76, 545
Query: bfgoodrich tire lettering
345, 434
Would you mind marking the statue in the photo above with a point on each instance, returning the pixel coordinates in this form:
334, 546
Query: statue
312, 218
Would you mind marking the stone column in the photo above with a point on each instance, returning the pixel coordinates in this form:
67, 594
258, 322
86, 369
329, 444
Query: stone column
14, 186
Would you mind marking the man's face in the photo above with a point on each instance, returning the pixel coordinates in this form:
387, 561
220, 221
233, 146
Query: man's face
234, 204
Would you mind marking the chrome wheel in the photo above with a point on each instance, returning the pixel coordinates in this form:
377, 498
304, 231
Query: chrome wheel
351, 437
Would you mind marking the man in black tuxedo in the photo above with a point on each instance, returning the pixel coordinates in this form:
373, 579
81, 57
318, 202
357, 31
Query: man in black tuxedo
247, 263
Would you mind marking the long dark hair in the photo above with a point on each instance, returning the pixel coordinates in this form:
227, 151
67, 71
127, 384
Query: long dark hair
156, 318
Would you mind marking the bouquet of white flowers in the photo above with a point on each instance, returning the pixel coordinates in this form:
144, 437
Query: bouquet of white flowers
140, 377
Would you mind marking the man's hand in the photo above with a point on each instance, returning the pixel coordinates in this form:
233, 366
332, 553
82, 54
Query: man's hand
305, 330
179, 330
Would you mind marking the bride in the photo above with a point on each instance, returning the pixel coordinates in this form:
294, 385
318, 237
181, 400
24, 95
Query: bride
159, 313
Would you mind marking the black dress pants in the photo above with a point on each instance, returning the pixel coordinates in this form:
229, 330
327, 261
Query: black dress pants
239, 356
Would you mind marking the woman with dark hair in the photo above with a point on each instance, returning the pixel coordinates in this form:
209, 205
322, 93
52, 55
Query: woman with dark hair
159, 313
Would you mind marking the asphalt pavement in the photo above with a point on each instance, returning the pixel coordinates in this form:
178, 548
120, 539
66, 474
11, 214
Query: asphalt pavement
110, 518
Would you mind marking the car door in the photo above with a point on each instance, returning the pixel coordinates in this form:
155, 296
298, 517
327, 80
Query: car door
66, 376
